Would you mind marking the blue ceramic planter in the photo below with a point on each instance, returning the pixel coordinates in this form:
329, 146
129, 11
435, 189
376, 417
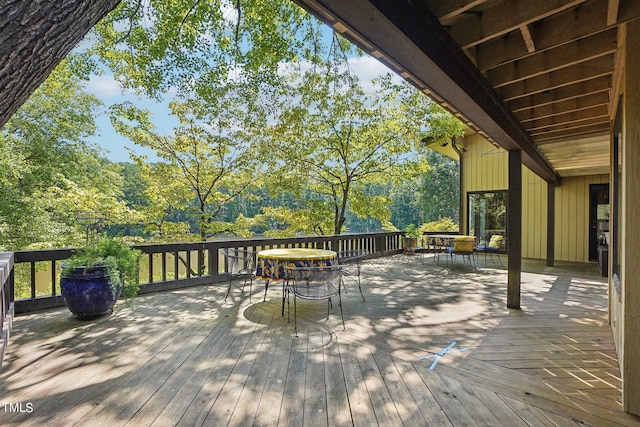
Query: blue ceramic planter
87, 293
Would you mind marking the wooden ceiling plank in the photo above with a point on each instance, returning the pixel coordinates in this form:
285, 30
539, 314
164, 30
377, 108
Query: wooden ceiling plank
570, 117
577, 156
505, 17
548, 125
599, 147
581, 157
576, 133
566, 55
587, 171
574, 163
572, 140
598, 67
571, 165
581, 103
587, 123
588, 19
581, 160
574, 90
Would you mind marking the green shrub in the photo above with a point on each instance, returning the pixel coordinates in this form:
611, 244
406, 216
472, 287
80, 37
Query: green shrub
122, 263
442, 224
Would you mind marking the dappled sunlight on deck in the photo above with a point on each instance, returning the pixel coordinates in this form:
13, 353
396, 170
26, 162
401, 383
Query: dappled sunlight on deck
186, 357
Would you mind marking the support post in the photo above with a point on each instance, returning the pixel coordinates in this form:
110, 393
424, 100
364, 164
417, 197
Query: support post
630, 227
514, 229
551, 224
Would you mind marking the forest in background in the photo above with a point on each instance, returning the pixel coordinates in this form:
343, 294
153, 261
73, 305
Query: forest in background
276, 135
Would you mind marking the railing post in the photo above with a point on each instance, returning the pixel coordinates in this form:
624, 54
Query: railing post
377, 244
6, 299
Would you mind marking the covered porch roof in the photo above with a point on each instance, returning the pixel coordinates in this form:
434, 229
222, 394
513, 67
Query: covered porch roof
539, 76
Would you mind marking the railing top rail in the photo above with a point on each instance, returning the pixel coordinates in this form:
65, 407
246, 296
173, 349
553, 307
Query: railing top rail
62, 254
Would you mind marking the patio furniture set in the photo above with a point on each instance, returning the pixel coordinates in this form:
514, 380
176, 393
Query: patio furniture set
306, 273
462, 245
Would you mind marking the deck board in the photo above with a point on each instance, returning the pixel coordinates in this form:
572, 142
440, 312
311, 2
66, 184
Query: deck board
186, 357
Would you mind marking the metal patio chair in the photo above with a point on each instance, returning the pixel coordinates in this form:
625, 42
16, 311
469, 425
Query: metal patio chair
493, 247
314, 283
351, 262
241, 263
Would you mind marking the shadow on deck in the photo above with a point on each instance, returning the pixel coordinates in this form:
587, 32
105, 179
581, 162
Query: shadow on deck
187, 358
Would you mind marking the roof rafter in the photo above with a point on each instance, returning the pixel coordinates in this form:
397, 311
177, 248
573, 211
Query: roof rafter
504, 18
445, 11
602, 66
571, 91
588, 19
557, 109
566, 55
407, 33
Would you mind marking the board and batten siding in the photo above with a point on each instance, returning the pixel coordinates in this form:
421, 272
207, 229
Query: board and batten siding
485, 169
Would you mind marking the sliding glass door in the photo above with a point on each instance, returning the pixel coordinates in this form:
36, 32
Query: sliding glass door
487, 214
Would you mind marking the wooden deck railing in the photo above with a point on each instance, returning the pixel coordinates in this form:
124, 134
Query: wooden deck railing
169, 266
6, 300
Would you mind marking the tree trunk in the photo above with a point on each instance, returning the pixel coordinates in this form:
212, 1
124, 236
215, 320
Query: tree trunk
36, 35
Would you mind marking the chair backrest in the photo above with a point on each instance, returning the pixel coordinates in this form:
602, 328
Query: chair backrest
496, 241
240, 261
351, 256
315, 282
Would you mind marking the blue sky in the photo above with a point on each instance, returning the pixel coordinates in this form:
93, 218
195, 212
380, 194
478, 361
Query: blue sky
109, 91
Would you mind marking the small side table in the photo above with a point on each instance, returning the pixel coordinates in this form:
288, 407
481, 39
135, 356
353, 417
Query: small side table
603, 260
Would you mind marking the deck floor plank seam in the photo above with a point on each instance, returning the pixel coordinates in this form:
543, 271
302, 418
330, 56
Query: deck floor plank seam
185, 357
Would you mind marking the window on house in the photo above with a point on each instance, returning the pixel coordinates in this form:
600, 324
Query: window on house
487, 214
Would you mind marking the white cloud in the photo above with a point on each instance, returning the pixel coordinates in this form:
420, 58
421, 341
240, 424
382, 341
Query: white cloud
368, 68
104, 86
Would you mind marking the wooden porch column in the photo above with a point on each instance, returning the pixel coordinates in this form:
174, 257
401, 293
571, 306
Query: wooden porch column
514, 229
551, 224
630, 251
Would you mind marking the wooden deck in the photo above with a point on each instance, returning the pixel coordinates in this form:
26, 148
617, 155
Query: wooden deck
187, 358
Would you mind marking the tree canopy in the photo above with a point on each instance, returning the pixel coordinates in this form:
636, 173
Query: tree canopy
210, 159
275, 132
45, 156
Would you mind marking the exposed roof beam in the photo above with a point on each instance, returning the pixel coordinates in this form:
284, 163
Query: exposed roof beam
591, 159
504, 18
571, 142
407, 33
422, 29
597, 129
577, 121
554, 59
567, 148
612, 12
598, 67
590, 18
600, 112
584, 160
528, 38
589, 102
573, 171
574, 90
445, 11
